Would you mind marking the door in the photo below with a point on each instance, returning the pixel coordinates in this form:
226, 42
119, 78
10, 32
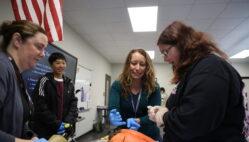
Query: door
107, 88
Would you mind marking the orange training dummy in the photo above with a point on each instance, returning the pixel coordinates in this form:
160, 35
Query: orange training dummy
128, 135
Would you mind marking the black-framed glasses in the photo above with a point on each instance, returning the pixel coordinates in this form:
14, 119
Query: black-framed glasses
165, 52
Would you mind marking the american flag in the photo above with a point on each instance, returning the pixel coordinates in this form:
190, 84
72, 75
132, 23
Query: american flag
47, 13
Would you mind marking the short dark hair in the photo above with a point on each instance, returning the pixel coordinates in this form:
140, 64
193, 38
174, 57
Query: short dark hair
54, 56
162, 89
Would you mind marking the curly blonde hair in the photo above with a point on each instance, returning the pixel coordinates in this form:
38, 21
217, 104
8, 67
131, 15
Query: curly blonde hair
148, 80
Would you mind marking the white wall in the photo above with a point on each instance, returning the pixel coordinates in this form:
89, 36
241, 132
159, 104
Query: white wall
243, 69
87, 57
164, 73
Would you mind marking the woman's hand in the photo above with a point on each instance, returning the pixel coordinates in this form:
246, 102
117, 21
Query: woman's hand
156, 114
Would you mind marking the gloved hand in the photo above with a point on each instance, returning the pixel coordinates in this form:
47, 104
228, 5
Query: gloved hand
40, 140
132, 124
61, 129
115, 118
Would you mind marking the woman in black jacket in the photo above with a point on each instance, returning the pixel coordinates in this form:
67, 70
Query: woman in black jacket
207, 105
54, 99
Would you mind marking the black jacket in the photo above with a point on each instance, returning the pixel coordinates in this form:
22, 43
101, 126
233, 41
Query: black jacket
45, 122
207, 105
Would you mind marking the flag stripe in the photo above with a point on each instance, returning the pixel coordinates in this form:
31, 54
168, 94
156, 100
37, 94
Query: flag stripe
26, 10
47, 13
46, 27
55, 19
15, 9
37, 11
20, 10
58, 5
32, 11
51, 23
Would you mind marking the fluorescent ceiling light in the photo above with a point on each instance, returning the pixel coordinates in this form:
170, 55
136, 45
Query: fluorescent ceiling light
143, 19
151, 54
242, 54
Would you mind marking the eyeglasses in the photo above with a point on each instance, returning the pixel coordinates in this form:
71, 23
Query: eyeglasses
165, 52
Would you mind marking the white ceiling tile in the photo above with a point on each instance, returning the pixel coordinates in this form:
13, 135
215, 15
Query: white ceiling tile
122, 44
102, 37
140, 3
103, 44
163, 23
83, 16
119, 27
103, 4
218, 34
236, 10
210, 1
239, 0
145, 44
244, 25
72, 5
93, 28
113, 15
175, 2
241, 45
200, 24
125, 37
145, 36
176, 12
105, 24
226, 23
233, 39
206, 11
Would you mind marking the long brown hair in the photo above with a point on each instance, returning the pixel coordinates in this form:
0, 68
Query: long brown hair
148, 80
25, 28
191, 44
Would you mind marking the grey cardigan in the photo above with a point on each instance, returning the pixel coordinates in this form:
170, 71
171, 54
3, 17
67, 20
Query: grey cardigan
11, 108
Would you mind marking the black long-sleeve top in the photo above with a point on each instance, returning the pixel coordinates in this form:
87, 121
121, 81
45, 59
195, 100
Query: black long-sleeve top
207, 105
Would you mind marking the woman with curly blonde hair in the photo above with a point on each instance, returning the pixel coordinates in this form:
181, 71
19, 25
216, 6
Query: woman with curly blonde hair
133, 92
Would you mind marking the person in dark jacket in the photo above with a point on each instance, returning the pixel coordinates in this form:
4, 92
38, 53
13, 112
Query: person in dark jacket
54, 99
23, 44
207, 105
133, 92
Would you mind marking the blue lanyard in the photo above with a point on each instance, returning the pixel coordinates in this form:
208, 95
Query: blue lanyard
138, 102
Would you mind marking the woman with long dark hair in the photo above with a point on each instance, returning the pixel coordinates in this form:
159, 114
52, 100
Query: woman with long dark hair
207, 105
